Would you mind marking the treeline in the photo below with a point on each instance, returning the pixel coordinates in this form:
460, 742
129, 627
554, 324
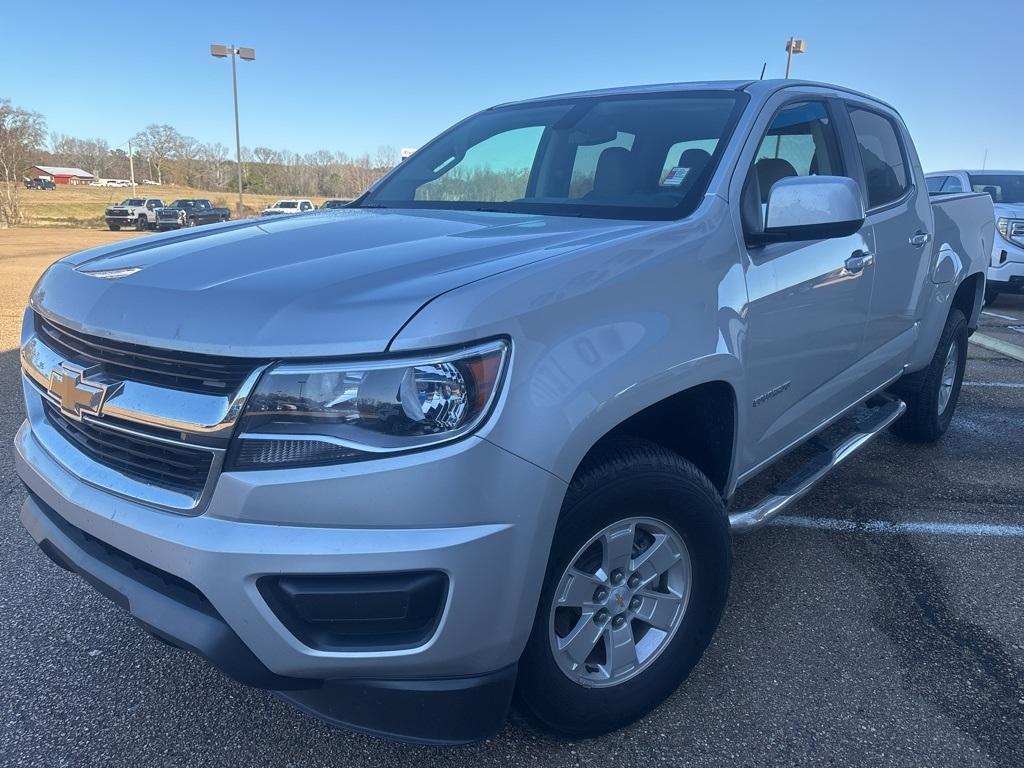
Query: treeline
164, 155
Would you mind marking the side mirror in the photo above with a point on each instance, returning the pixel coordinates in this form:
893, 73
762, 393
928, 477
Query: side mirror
812, 208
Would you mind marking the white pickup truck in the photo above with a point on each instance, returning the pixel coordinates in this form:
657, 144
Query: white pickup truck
286, 207
1006, 188
482, 431
135, 212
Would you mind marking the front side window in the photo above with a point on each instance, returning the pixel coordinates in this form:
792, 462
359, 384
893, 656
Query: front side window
934, 184
603, 156
801, 141
881, 155
1002, 187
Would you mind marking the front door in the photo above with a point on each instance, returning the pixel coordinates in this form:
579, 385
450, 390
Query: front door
807, 308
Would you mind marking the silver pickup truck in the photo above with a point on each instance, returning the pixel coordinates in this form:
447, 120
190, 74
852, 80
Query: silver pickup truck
488, 430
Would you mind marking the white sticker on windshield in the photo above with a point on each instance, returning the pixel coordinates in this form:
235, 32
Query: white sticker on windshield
675, 177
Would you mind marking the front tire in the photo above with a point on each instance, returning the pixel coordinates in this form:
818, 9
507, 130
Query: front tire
990, 296
635, 587
114, 227
931, 395
141, 224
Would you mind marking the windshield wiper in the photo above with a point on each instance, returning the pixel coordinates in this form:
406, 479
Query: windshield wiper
370, 205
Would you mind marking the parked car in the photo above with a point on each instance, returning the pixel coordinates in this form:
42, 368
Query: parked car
189, 213
334, 202
488, 433
1006, 188
285, 207
40, 183
136, 212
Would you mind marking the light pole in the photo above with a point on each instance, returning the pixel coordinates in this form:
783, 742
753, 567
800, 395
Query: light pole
793, 46
247, 54
131, 167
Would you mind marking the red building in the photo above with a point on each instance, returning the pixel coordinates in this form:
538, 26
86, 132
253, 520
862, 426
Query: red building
62, 175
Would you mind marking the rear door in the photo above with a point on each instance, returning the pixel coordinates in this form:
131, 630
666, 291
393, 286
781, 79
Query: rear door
806, 309
899, 213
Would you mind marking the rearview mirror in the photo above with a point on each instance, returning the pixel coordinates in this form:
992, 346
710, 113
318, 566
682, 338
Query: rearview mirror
812, 208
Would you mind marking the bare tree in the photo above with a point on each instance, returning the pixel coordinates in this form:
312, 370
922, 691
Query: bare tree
21, 133
159, 143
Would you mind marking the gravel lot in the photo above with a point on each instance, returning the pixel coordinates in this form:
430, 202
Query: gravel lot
841, 645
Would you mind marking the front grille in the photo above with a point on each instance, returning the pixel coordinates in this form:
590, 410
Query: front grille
211, 374
169, 466
118, 214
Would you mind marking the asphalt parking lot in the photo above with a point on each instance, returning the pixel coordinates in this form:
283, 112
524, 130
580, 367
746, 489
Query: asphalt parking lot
879, 624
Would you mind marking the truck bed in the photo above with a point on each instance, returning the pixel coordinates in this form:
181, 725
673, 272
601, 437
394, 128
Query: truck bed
959, 220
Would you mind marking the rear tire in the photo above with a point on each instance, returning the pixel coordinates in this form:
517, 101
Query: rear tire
660, 500
931, 395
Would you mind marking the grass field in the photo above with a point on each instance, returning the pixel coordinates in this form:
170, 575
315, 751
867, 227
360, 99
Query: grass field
83, 206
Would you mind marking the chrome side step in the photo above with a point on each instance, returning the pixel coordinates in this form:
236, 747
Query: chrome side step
795, 487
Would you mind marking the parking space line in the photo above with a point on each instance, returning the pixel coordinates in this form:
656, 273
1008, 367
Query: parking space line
1006, 384
1001, 317
887, 527
1004, 348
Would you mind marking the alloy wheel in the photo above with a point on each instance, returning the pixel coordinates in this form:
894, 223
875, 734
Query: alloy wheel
620, 602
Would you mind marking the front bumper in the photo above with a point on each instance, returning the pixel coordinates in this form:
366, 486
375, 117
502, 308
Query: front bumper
165, 224
471, 510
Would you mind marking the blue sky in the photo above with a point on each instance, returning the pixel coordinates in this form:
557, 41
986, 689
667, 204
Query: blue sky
354, 75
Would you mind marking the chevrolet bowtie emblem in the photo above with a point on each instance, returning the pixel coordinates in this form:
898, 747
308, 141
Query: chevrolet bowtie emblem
75, 393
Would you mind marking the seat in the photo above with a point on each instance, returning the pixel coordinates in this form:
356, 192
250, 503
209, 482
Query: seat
771, 170
614, 176
696, 160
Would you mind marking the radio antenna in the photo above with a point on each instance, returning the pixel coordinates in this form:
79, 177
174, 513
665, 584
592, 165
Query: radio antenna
763, 68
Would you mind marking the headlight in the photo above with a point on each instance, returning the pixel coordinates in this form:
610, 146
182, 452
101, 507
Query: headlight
328, 413
1003, 225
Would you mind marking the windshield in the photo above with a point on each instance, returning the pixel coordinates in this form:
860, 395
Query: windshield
134, 201
646, 156
1003, 187
286, 204
183, 204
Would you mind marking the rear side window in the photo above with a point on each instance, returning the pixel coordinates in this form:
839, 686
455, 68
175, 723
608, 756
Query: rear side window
885, 169
935, 183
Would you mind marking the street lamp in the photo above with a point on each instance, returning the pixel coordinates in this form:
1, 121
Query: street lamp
246, 54
793, 46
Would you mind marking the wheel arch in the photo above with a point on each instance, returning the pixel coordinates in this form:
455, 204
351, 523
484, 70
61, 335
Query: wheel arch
698, 423
969, 298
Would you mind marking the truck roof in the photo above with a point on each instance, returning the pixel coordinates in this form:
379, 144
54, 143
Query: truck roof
754, 87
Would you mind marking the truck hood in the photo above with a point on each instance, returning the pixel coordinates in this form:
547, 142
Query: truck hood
1009, 210
339, 282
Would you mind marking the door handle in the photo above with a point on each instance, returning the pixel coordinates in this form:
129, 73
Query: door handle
920, 238
860, 259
